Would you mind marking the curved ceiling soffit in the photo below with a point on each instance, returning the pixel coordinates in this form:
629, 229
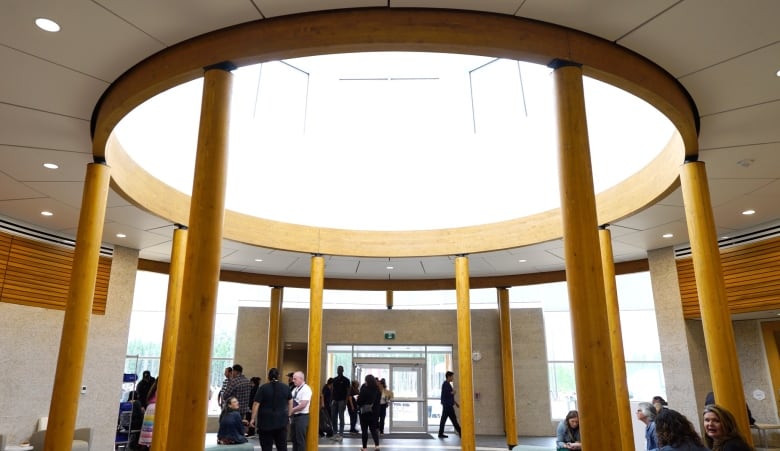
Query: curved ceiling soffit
387, 29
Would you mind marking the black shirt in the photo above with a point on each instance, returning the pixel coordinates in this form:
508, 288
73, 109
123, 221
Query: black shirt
340, 388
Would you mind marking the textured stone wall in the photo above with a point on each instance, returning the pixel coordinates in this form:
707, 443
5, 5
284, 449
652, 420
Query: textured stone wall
29, 344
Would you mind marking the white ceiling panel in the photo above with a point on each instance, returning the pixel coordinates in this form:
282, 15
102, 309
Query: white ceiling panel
652, 238
273, 8
744, 126
26, 165
652, 217
494, 6
11, 189
29, 211
608, 19
695, 34
763, 201
69, 193
166, 22
92, 40
734, 162
715, 90
136, 217
56, 89
723, 191
23, 127
135, 238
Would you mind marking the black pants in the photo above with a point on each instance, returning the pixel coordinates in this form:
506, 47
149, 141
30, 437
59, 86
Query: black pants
382, 416
448, 412
274, 436
368, 422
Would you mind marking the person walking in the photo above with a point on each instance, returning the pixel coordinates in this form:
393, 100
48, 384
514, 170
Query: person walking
339, 394
448, 405
368, 408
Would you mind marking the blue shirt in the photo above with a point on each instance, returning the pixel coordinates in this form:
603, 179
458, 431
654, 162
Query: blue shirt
650, 437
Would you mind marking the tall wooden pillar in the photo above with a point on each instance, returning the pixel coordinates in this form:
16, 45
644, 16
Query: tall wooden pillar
715, 316
389, 299
314, 360
584, 274
189, 402
274, 329
465, 374
63, 408
165, 380
507, 367
624, 413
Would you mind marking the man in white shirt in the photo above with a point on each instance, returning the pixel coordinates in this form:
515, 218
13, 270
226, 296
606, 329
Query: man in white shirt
301, 395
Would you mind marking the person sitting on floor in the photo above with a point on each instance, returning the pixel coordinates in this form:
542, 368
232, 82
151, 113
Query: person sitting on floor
231, 425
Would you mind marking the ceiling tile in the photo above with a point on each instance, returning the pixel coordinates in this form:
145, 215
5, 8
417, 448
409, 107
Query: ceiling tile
28, 128
725, 162
173, 21
608, 19
695, 34
92, 40
715, 90
10, 189
29, 211
745, 126
494, 6
135, 217
26, 164
41, 85
273, 8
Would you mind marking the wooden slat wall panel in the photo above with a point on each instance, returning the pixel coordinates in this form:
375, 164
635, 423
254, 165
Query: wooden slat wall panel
751, 273
38, 274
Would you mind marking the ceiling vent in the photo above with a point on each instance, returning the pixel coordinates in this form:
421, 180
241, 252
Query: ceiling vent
29, 232
759, 234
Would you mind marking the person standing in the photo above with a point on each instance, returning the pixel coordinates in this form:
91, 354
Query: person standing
339, 395
240, 387
271, 412
448, 405
646, 413
384, 403
368, 407
143, 387
676, 433
354, 391
221, 395
720, 430
301, 397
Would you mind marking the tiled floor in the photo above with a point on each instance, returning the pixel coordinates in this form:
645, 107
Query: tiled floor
484, 443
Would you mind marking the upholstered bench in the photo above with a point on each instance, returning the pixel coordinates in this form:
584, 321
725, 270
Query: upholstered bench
248, 446
81, 439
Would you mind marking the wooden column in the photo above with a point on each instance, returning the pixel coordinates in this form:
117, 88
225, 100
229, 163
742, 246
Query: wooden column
274, 329
584, 274
389, 299
465, 377
189, 402
63, 408
166, 379
715, 316
624, 414
314, 361
507, 367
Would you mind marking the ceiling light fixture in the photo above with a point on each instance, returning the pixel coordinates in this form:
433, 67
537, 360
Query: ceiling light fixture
389, 267
258, 260
121, 235
667, 235
50, 166
47, 25
522, 260
778, 73
47, 213
746, 162
749, 212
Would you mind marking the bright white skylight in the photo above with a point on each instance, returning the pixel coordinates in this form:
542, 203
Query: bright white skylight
393, 141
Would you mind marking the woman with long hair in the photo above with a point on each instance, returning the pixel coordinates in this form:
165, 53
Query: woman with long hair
568, 433
384, 403
147, 427
720, 430
368, 409
676, 433
231, 424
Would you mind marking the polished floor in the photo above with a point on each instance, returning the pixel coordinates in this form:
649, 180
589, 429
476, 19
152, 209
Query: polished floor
394, 443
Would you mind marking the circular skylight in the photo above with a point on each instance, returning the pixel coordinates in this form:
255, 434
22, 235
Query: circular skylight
393, 141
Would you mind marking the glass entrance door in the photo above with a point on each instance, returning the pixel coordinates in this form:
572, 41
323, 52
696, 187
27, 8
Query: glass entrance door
406, 412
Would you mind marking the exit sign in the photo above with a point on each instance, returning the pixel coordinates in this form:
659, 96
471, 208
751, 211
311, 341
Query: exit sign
389, 335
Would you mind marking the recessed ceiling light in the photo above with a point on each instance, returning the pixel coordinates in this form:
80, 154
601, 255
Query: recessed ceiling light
749, 212
746, 162
121, 235
258, 260
667, 235
778, 73
47, 25
522, 260
50, 166
47, 213
389, 267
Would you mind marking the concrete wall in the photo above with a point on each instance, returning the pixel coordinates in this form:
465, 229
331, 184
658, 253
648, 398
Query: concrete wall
29, 344
430, 328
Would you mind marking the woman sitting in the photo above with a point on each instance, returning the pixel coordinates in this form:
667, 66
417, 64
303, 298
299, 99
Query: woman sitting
569, 431
231, 425
675, 432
